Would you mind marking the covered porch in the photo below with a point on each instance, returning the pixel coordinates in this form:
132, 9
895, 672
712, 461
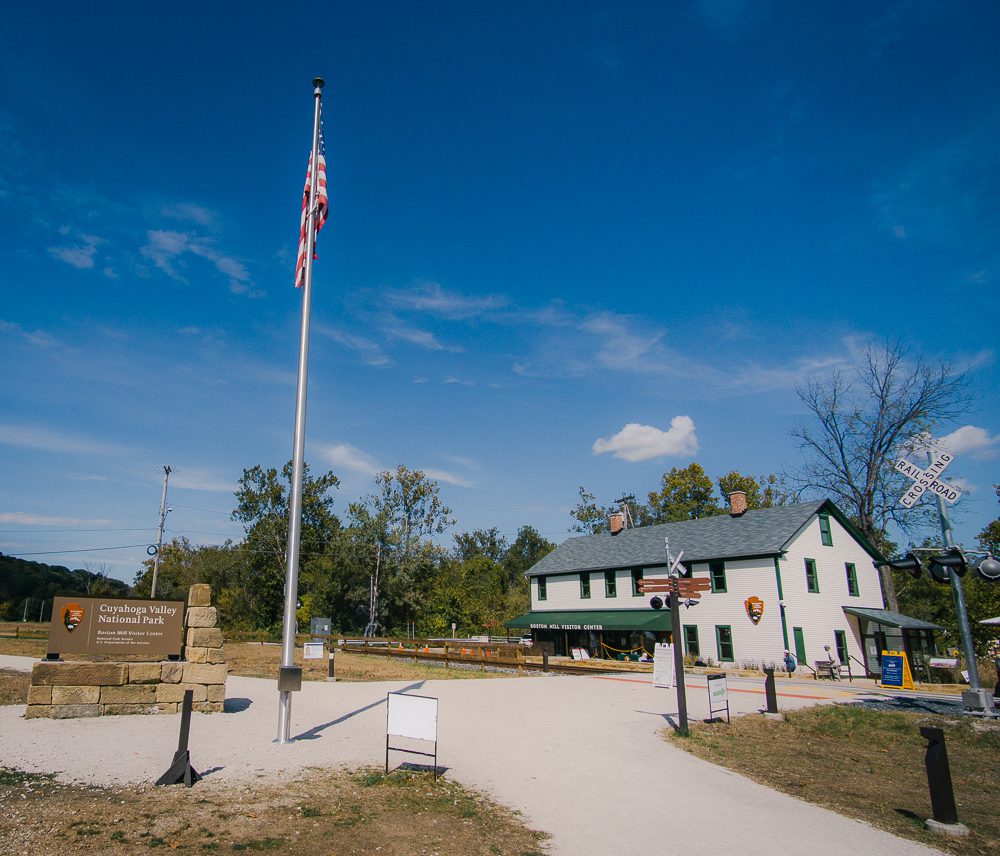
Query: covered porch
602, 633
882, 630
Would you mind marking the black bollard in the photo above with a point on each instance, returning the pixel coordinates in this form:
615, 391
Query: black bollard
329, 669
180, 769
545, 661
939, 777
769, 692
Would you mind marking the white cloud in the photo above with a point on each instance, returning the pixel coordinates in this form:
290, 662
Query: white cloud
35, 337
431, 298
25, 519
189, 212
166, 249
80, 256
418, 337
349, 457
641, 442
969, 439
449, 478
372, 353
46, 440
195, 479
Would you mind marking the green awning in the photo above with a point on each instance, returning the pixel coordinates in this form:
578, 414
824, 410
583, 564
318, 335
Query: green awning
595, 619
891, 619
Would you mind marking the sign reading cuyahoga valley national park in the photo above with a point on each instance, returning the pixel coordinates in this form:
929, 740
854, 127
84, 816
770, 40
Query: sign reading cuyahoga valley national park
98, 625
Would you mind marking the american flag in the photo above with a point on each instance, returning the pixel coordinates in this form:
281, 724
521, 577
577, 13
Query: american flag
322, 206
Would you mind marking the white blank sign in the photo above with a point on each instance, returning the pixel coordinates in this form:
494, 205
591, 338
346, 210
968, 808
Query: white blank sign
412, 716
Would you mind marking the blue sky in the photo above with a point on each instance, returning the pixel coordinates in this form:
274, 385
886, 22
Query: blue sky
548, 222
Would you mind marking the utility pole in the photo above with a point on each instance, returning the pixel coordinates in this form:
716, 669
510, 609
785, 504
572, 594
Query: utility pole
159, 534
41, 609
625, 503
24, 617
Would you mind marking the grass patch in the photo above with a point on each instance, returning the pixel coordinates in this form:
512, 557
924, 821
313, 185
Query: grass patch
347, 813
14, 687
867, 764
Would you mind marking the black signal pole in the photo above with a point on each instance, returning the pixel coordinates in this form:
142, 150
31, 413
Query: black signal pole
675, 623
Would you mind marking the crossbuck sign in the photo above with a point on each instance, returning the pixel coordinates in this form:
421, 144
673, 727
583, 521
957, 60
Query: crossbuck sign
927, 479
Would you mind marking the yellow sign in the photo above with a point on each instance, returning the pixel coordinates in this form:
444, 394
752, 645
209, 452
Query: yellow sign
896, 670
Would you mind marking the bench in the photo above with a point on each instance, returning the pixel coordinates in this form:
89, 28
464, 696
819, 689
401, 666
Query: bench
827, 669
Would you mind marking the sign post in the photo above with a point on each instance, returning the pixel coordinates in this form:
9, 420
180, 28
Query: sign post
925, 480
718, 696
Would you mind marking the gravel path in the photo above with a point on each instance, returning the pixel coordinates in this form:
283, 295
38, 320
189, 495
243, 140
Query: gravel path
581, 757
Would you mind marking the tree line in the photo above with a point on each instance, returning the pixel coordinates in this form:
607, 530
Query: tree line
386, 544
27, 588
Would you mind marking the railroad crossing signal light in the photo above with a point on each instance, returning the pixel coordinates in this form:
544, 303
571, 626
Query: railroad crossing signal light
659, 603
988, 568
909, 563
952, 560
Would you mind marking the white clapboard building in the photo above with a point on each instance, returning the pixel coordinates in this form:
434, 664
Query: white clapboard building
793, 578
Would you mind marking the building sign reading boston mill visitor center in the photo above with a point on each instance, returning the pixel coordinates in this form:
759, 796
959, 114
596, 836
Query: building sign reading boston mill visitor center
97, 625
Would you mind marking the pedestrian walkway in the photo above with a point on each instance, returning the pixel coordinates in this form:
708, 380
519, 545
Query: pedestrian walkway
583, 758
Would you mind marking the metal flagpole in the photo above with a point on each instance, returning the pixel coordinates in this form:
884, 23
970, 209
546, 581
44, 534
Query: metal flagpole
159, 534
298, 457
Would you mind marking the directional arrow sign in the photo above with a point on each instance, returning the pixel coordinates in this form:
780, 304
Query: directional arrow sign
924, 480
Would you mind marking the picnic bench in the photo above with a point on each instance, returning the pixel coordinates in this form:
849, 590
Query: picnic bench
827, 669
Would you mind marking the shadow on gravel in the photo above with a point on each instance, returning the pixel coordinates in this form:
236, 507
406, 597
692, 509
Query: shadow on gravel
236, 705
314, 732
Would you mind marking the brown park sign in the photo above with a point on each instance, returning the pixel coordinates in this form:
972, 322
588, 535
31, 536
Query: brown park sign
153, 629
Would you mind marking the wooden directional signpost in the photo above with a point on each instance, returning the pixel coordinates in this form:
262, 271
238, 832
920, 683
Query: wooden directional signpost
677, 588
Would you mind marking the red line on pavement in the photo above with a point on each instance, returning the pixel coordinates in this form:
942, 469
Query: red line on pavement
705, 687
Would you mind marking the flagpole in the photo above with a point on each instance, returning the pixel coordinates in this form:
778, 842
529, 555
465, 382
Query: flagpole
290, 626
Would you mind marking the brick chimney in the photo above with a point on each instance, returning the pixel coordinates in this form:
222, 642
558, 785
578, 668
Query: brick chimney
737, 503
617, 522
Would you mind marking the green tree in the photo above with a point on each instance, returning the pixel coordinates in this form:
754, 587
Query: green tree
481, 542
860, 421
684, 494
590, 517
262, 508
401, 517
764, 492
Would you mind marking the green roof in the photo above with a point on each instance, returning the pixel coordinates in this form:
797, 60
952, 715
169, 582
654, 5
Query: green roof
891, 619
595, 619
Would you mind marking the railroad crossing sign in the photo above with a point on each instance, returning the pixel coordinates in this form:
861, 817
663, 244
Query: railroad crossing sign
924, 480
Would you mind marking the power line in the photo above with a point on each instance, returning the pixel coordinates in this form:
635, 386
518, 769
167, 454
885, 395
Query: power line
81, 550
41, 531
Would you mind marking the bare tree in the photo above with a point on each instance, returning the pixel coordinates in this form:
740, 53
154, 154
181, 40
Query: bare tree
860, 422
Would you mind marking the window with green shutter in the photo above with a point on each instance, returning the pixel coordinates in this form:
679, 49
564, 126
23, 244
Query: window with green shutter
841, 637
610, 584
812, 580
852, 579
724, 642
691, 645
826, 536
543, 591
717, 574
584, 586
636, 576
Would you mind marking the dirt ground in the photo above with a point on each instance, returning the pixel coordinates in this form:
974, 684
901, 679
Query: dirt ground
321, 814
867, 764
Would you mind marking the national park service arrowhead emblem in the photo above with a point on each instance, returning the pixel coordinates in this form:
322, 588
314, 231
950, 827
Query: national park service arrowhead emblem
72, 616
755, 608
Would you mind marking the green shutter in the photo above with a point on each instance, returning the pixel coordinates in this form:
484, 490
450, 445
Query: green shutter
691, 645
852, 579
724, 643
841, 638
812, 579
826, 536
717, 575
800, 645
